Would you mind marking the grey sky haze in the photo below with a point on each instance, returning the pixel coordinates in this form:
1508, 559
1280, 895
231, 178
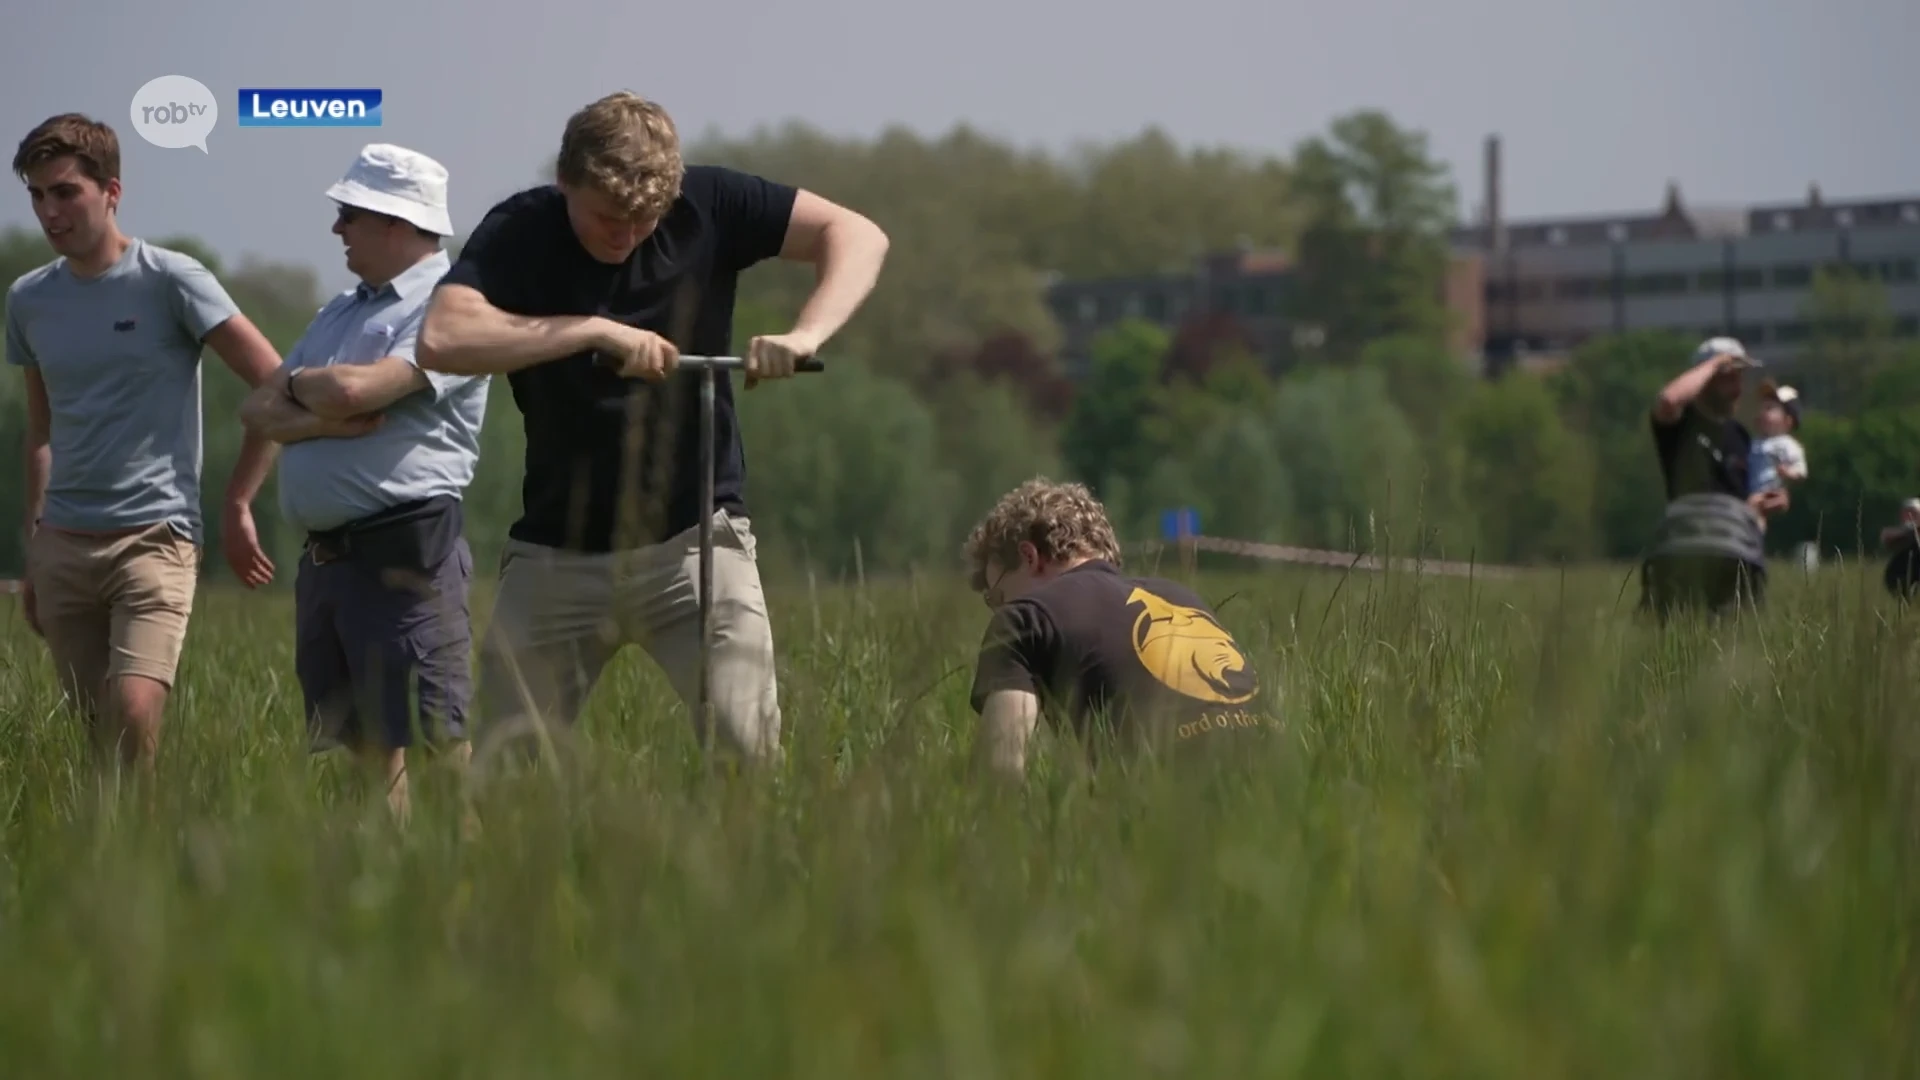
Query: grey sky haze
1598, 105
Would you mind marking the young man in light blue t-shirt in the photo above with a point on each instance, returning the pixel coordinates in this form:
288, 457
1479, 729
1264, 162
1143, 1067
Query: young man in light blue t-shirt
108, 336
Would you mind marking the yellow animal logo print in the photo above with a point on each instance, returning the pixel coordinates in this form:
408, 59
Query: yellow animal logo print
1189, 652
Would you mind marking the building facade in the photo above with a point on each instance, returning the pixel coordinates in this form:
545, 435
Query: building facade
1531, 291
1249, 287
1551, 284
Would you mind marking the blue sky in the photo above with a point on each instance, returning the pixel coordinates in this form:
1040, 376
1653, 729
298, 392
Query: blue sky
1598, 105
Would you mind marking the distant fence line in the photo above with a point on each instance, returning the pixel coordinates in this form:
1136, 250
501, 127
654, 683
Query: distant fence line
1344, 560
1320, 557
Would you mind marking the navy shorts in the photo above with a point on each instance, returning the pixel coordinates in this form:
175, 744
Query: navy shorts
370, 645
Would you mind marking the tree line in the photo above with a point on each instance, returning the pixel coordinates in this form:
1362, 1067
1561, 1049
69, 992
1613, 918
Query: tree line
947, 388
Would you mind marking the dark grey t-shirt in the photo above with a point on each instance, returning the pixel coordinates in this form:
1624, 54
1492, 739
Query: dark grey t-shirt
120, 356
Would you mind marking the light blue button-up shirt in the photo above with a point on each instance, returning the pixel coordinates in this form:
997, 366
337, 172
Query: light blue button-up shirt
430, 442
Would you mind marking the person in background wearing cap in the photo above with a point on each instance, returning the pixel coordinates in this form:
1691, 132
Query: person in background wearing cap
108, 337
1702, 447
1902, 541
1778, 459
377, 456
1709, 549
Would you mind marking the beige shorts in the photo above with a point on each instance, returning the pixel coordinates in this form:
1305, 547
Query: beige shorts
113, 604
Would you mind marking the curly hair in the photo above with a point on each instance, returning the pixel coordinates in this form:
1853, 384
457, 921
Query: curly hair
626, 148
1061, 521
92, 143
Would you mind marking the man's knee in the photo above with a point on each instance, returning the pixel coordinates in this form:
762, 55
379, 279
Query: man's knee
139, 701
443, 670
745, 685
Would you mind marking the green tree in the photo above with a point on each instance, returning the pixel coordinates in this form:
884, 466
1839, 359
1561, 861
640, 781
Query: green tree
1373, 246
992, 443
1851, 344
1606, 392
1354, 461
1106, 433
844, 473
1529, 475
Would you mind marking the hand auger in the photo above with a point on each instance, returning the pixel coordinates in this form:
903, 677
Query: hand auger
706, 366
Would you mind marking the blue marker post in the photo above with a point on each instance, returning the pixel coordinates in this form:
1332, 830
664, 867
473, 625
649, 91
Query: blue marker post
1181, 527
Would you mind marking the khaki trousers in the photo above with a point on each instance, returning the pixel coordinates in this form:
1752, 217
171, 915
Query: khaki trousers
561, 616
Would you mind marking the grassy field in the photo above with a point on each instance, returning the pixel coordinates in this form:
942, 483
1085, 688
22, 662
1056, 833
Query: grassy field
1504, 831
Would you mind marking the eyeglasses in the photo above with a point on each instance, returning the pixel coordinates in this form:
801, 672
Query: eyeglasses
991, 594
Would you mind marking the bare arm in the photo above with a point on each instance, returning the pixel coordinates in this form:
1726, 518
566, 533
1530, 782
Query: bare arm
1678, 394
270, 414
247, 352
1007, 722
343, 391
39, 452
465, 335
846, 250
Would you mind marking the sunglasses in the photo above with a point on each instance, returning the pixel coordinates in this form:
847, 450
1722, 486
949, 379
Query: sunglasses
347, 215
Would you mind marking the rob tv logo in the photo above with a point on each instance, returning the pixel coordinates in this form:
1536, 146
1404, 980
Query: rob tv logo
309, 108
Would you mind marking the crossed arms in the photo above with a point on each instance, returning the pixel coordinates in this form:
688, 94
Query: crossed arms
340, 401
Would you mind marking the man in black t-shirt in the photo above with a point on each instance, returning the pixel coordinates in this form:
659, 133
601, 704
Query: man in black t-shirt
1102, 653
632, 258
1902, 541
1702, 448
1709, 549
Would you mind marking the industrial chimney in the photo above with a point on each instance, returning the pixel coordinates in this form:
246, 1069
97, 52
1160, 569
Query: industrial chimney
1496, 229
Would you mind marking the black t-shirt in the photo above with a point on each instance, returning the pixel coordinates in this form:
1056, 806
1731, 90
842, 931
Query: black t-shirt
612, 462
1902, 573
1145, 655
1699, 454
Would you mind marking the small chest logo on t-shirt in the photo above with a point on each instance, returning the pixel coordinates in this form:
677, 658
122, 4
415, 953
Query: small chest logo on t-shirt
123, 326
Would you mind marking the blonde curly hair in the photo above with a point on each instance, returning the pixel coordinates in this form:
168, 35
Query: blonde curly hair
626, 148
1061, 521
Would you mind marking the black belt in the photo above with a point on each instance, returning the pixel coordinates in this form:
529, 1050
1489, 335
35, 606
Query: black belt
417, 535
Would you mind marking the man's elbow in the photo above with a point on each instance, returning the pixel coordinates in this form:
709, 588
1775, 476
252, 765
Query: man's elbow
437, 349
443, 344
871, 239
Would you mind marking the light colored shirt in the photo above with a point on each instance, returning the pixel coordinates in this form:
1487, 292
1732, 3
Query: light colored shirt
120, 357
430, 442
1772, 458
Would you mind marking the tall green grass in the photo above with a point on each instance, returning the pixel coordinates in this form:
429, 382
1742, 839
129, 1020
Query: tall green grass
1503, 831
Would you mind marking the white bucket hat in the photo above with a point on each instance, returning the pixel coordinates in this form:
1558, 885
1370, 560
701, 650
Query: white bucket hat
403, 183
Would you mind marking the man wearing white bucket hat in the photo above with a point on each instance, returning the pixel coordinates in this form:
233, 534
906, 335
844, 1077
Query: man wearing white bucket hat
377, 456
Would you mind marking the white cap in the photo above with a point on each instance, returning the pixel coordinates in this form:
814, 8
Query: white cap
1723, 346
399, 182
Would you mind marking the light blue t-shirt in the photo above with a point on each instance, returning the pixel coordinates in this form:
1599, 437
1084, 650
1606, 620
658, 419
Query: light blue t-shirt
120, 356
430, 442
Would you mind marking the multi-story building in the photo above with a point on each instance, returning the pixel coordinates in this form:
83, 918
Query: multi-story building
1552, 283
1249, 286
1536, 289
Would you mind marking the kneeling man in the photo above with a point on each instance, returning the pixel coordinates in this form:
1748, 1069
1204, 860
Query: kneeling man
1140, 659
378, 455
